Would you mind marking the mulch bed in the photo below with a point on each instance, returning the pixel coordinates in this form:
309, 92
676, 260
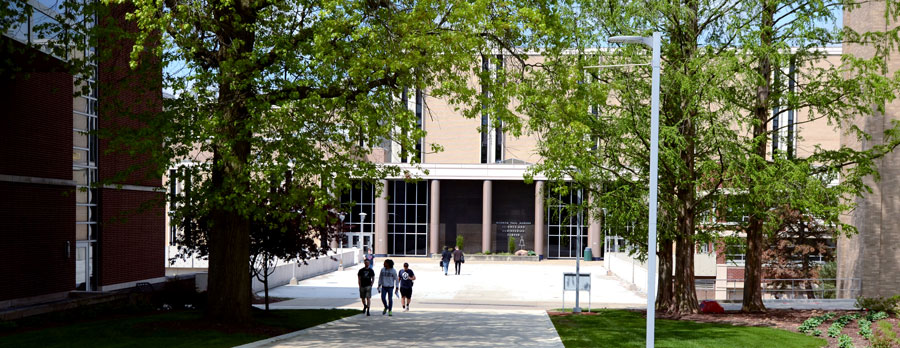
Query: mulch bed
787, 319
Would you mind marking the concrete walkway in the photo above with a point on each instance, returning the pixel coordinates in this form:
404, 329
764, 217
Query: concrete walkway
481, 285
490, 304
432, 328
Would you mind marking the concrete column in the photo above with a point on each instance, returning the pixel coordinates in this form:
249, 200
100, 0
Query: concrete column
539, 218
434, 225
595, 239
381, 221
486, 205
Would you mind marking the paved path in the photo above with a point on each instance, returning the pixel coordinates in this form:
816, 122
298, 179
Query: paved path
490, 304
522, 285
433, 328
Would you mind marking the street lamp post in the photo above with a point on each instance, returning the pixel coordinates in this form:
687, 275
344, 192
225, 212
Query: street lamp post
654, 43
362, 219
341, 240
577, 308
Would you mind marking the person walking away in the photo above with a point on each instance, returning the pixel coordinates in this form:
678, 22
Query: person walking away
388, 282
458, 259
406, 276
368, 255
445, 259
365, 277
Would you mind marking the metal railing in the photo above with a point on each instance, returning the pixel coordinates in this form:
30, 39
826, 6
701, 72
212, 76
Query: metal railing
797, 288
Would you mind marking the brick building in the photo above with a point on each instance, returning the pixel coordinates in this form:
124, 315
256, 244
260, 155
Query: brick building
874, 254
61, 232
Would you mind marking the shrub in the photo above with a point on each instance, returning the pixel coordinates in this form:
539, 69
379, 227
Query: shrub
828, 271
512, 244
838, 325
459, 242
884, 335
531, 253
891, 305
817, 332
873, 316
865, 328
814, 322
845, 342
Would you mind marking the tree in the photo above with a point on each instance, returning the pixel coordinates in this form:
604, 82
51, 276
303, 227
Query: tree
266, 87
594, 126
780, 68
791, 249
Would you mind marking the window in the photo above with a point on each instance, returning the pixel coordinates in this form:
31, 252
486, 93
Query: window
783, 132
492, 139
407, 218
565, 222
358, 205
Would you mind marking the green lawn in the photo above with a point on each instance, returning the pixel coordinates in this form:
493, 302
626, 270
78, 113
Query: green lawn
170, 329
617, 328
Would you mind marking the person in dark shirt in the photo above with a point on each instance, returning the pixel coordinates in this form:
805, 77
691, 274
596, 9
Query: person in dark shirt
445, 259
365, 278
406, 276
458, 259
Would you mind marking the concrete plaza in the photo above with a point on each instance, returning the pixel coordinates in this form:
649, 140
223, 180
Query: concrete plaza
481, 285
490, 304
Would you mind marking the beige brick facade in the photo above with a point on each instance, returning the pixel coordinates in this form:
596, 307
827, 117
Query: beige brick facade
874, 254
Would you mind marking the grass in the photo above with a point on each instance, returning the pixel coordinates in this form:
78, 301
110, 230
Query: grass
168, 329
618, 328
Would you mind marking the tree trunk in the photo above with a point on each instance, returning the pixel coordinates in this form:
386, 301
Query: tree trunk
665, 300
266, 286
685, 287
752, 302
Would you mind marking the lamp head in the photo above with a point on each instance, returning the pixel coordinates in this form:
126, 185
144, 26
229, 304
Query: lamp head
631, 39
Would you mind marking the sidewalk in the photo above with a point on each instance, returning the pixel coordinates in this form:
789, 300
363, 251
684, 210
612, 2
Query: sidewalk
481, 285
432, 328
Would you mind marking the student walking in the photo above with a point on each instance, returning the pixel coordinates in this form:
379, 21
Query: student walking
406, 283
365, 277
458, 259
387, 283
445, 259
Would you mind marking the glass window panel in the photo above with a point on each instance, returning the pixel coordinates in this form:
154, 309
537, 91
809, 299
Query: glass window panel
422, 213
80, 105
411, 191
423, 192
79, 122
421, 244
79, 139
411, 214
80, 176
82, 195
82, 214
400, 193
80, 157
82, 232
80, 265
410, 244
18, 31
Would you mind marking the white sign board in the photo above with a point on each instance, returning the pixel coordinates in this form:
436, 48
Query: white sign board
584, 284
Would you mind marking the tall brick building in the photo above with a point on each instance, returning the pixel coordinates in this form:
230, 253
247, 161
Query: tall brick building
874, 254
61, 232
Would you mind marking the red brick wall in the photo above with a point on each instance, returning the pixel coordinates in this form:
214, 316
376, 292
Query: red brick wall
37, 125
735, 272
127, 97
132, 237
132, 241
35, 223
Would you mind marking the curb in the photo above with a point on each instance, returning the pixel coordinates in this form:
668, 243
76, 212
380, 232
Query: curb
289, 335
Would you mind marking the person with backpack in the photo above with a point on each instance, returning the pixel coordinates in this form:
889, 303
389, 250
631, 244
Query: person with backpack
445, 259
388, 282
365, 277
458, 259
406, 276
